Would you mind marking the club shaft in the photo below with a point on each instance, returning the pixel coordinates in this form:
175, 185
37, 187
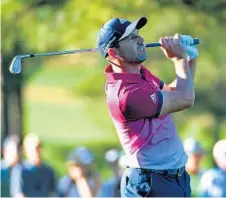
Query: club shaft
62, 52
153, 44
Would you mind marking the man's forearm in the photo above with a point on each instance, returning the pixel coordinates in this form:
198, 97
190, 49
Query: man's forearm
193, 66
184, 79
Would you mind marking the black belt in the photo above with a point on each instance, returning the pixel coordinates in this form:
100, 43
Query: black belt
168, 173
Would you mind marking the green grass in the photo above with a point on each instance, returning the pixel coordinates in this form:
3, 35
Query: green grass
60, 76
64, 120
62, 73
78, 122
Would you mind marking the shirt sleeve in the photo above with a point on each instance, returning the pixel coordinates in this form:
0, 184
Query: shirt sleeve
139, 102
159, 82
16, 180
63, 186
161, 85
106, 190
156, 79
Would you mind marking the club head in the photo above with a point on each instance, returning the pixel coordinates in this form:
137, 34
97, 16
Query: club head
15, 66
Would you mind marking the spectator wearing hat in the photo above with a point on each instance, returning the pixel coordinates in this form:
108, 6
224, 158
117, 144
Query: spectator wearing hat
195, 153
213, 181
10, 165
81, 180
111, 188
37, 179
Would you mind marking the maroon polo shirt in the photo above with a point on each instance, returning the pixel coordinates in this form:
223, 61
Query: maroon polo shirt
134, 102
133, 96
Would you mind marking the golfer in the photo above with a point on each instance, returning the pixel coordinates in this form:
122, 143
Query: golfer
140, 105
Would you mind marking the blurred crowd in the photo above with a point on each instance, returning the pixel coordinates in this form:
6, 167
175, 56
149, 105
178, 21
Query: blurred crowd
30, 176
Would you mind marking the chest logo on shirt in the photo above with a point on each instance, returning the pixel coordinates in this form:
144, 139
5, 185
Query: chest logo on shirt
153, 97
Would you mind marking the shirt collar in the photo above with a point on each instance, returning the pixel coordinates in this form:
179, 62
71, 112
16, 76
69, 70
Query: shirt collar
128, 77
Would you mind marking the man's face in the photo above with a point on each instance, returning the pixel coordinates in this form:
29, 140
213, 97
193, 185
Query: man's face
11, 154
196, 158
75, 171
132, 48
193, 163
33, 152
221, 160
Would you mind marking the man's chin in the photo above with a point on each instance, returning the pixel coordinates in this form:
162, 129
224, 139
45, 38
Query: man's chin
139, 61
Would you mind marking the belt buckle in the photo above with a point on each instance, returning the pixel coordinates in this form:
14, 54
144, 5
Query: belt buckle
168, 173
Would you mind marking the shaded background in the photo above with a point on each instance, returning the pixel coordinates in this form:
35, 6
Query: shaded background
61, 98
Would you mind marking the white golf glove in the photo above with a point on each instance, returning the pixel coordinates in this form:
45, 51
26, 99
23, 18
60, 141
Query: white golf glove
192, 51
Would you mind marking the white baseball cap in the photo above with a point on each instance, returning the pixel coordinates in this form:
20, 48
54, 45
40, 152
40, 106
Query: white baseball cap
112, 155
80, 155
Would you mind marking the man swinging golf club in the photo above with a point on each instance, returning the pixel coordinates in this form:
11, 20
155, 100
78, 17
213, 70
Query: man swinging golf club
140, 105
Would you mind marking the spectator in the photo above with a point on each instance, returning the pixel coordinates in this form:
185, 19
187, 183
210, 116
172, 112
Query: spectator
195, 154
81, 180
213, 181
37, 178
10, 163
111, 188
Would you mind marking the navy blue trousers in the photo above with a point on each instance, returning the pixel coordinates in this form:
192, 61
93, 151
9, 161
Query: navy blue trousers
137, 183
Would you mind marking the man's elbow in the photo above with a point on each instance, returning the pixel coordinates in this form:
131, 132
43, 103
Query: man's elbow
189, 100
189, 103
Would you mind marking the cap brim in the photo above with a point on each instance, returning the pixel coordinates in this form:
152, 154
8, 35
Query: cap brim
139, 23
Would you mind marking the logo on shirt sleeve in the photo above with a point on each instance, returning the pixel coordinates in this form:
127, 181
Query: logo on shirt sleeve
153, 97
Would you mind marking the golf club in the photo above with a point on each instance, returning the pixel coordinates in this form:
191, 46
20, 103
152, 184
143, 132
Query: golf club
15, 66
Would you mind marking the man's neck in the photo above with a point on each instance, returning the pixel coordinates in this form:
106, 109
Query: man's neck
126, 68
35, 163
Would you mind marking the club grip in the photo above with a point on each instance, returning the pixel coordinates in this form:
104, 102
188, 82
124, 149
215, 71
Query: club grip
157, 44
196, 41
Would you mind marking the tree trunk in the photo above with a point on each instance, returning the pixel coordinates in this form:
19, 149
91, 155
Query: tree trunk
11, 95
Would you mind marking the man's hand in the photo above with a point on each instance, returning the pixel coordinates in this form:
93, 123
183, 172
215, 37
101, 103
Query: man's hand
76, 172
187, 42
173, 47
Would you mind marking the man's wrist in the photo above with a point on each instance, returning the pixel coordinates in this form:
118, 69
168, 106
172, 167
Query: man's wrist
177, 60
194, 60
181, 66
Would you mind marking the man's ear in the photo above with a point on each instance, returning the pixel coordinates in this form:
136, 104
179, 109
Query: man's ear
112, 53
